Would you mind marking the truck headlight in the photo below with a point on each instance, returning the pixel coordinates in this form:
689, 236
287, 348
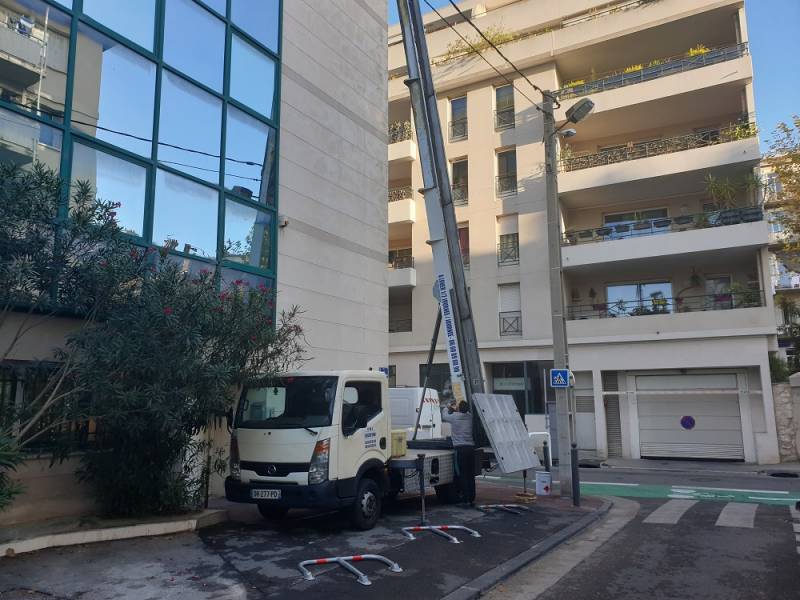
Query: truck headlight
318, 469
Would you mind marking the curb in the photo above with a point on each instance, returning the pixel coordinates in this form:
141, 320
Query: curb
478, 586
205, 519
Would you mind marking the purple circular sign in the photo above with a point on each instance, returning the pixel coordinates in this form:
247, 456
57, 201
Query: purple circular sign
687, 422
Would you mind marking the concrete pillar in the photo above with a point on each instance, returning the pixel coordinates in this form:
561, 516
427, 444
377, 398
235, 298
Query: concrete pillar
601, 436
768, 452
740, 22
785, 419
746, 415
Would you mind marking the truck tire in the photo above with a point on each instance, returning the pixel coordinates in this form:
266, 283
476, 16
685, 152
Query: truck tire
367, 507
447, 493
270, 511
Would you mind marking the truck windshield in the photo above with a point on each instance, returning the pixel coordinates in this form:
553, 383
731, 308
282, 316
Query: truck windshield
288, 403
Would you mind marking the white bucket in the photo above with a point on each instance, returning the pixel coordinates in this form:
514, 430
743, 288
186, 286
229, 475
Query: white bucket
543, 483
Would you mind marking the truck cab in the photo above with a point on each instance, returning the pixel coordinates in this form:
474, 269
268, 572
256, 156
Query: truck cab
313, 439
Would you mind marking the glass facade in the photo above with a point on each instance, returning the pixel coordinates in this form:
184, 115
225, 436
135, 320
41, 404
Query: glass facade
168, 107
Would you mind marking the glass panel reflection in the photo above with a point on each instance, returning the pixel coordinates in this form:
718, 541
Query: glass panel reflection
248, 140
191, 119
194, 42
24, 141
259, 18
185, 215
247, 235
114, 92
114, 180
132, 18
218, 5
239, 278
31, 34
252, 76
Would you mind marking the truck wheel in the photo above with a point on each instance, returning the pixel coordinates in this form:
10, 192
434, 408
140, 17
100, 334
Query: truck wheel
367, 508
447, 493
269, 511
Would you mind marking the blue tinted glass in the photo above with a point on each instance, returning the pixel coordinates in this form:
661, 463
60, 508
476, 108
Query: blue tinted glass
113, 180
233, 277
247, 235
194, 42
132, 18
259, 18
218, 5
114, 92
252, 76
248, 140
24, 141
185, 213
192, 119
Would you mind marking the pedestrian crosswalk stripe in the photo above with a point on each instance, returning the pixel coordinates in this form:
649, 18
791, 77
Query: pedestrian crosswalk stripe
670, 512
737, 514
796, 527
795, 513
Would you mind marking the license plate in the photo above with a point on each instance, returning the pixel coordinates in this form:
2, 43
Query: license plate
265, 494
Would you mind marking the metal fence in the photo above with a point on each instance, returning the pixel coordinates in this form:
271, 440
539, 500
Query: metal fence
508, 254
401, 262
636, 150
460, 194
400, 131
645, 227
506, 184
510, 322
399, 325
401, 193
458, 130
654, 70
504, 118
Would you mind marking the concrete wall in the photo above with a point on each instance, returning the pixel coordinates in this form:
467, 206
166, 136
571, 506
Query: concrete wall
787, 418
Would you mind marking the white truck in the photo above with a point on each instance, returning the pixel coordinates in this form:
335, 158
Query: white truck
316, 439
406, 403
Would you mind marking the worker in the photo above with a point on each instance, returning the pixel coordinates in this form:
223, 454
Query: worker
460, 421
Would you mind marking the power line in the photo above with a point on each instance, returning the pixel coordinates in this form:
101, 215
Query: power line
503, 56
482, 57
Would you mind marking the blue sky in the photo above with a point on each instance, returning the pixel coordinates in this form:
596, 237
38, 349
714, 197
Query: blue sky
774, 29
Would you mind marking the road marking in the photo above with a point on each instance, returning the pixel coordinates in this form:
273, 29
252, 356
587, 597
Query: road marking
737, 514
773, 499
491, 477
609, 483
796, 527
797, 537
670, 512
795, 513
716, 489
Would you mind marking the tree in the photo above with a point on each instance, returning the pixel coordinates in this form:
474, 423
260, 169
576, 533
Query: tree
784, 159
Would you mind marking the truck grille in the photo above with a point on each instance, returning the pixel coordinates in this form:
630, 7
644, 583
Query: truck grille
268, 469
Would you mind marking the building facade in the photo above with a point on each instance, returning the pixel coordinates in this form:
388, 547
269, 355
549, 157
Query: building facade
248, 135
665, 246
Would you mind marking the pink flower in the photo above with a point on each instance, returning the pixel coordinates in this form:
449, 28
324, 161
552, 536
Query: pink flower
205, 271
223, 296
253, 338
262, 287
134, 253
167, 310
238, 282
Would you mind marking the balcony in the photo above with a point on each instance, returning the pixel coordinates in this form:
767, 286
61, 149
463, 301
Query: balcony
504, 119
510, 323
507, 254
401, 142
399, 325
20, 56
654, 70
506, 185
402, 207
402, 273
460, 194
458, 130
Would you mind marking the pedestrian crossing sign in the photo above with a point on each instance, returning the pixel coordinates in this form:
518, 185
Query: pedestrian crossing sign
559, 378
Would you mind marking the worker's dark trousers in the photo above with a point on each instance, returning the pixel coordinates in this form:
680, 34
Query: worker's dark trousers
465, 459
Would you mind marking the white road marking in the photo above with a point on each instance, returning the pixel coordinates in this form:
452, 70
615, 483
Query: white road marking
737, 514
795, 513
797, 537
796, 527
491, 477
697, 487
774, 499
609, 483
670, 512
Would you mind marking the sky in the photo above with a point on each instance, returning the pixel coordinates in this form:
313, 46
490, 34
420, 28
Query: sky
774, 31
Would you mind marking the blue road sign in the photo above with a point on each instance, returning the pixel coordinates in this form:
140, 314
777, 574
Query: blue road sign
559, 378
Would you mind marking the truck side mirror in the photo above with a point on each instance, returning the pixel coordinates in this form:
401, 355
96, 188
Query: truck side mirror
350, 396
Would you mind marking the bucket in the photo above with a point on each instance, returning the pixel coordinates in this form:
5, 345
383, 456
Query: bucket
542, 483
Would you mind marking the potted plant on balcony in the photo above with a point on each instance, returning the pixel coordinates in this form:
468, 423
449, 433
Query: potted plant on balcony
743, 296
683, 219
622, 228
695, 281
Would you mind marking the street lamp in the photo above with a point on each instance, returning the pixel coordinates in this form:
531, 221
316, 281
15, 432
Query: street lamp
567, 447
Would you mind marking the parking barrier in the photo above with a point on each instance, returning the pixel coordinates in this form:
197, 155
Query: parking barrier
509, 508
344, 562
440, 530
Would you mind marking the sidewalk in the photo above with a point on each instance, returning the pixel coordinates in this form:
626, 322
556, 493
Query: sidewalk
697, 466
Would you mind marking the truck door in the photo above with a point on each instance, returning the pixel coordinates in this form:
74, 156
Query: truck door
364, 426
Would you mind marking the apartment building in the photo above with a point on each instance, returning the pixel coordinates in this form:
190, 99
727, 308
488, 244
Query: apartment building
665, 246
250, 134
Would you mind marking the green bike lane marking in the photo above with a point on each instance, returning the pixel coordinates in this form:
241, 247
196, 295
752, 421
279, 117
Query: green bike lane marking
635, 490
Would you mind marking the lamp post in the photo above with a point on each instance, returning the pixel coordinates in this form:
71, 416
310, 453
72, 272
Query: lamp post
565, 399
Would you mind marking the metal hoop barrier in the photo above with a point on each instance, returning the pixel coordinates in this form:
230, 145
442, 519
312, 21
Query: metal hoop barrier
344, 562
440, 530
509, 508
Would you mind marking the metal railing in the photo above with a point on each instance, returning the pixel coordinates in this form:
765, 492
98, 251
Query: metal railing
508, 254
654, 70
401, 262
399, 325
510, 322
506, 185
400, 131
504, 118
401, 193
460, 193
637, 150
465, 259
645, 227
458, 130
661, 305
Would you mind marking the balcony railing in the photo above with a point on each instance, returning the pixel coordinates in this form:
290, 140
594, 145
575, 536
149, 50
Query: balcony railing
746, 298
458, 130
645, 227
506, 185
507, 254
460, 193
401, 193
401, 262
654, 70
637, 150
510, 323
399, 325
399, 131
504, 118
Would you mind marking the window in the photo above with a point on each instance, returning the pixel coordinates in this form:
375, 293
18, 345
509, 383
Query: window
718, 293
194, 42
460, 182
504, 107
25, 140
392, 376
458, 118
510, 309
463, 243
439, 380
248, 140
135, 19
255, 92
400, 258
288, 403
357, 416
186, 214
247, 235
508, 240
633, 299
507, 172
258, 18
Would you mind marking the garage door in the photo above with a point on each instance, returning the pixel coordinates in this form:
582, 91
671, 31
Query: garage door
689, 416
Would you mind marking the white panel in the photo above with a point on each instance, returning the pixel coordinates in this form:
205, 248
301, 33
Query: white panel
585, 431
726, 381
506, 432
509, 297
507, 224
